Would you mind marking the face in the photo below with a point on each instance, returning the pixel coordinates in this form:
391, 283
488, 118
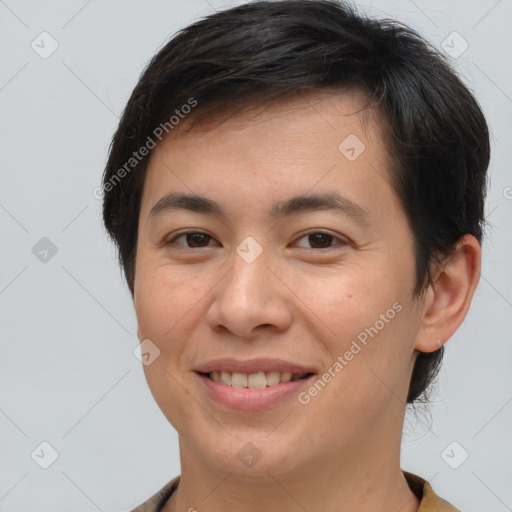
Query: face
292, 256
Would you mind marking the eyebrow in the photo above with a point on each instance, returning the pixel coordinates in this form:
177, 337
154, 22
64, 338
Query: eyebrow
298, 204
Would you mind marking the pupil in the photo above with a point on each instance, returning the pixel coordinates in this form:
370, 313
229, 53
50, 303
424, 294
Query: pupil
196, 239
322, 239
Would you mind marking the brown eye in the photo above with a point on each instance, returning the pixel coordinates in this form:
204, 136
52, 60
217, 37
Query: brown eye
197, 239
192, 239
319, 240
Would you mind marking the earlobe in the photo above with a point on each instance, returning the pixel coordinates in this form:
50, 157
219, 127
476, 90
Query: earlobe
448, 298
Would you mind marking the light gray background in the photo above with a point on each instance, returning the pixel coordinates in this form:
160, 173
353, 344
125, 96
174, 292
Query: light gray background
68, 373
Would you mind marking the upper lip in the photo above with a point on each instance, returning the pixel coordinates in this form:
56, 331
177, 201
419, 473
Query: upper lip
252, 366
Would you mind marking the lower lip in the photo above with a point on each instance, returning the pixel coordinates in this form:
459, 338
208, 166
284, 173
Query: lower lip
246, 399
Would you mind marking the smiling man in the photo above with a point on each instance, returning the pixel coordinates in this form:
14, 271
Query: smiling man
299, 245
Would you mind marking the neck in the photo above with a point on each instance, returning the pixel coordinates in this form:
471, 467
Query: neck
348, 482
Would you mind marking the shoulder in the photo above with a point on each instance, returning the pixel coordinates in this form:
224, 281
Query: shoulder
158, 500
429, 500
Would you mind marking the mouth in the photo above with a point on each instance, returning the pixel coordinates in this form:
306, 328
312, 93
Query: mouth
253, 384
255, 391
258, 380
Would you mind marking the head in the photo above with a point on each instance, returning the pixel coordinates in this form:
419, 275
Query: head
252, 107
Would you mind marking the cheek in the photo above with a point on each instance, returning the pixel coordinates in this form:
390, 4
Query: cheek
164, 297
166, 302
365, 324
343, 301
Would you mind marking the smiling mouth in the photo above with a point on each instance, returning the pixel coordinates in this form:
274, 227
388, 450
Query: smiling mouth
259, 380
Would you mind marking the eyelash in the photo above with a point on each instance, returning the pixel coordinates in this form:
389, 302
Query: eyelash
333, 237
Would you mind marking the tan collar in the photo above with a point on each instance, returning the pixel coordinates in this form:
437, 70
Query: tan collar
429, 501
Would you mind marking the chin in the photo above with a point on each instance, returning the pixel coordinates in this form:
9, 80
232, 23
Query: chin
251, 455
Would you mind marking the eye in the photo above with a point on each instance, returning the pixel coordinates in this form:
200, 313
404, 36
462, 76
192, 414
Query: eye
319, 240
192, 239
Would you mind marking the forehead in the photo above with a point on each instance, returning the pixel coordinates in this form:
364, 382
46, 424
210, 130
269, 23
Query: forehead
317, 140
321, 112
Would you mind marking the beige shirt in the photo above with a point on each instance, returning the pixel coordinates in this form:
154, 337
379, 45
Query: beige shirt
429, 501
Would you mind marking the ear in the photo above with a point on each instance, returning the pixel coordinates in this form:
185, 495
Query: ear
447, 300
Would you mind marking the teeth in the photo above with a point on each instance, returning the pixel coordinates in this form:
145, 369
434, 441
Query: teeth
225, 378
273, 378
286, 377
258, 380
238, 380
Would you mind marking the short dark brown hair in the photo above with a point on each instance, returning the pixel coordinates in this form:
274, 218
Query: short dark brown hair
263, 51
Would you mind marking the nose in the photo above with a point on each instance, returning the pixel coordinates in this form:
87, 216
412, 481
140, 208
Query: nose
249, 300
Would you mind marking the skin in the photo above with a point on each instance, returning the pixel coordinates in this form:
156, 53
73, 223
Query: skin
300, 302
